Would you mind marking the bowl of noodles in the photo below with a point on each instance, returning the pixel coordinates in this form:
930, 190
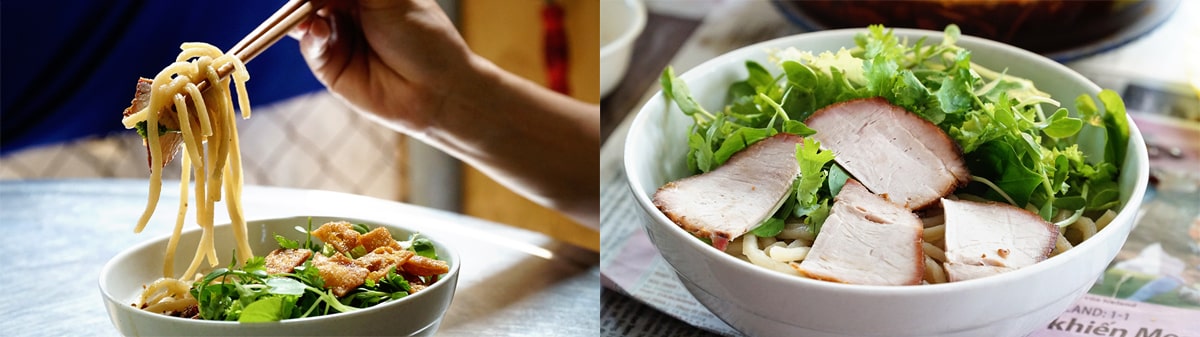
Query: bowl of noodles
672, 138
124, 282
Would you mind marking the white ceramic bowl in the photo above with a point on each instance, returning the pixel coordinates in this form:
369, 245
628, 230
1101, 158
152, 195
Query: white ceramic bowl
621, 21
122, 278
760, 302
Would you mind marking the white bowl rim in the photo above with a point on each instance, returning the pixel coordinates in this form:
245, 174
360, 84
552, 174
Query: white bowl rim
631, 31
124, 254
1126, 211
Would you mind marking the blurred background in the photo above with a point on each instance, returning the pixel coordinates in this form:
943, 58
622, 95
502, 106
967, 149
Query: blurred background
69, 69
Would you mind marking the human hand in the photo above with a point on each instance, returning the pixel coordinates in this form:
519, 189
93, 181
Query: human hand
396, 60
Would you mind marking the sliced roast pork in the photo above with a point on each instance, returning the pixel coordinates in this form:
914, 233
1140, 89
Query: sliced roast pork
895, 154
990, 238
724, 203
169, 141
866, 240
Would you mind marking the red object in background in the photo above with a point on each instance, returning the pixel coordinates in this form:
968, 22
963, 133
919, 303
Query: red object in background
554, 47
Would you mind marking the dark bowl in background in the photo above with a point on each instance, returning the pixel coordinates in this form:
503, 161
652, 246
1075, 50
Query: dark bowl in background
1059, 29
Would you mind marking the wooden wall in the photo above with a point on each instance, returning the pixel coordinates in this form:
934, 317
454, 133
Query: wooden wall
509, 32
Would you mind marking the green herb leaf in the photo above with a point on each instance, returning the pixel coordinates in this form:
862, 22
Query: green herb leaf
811, 160
285, 286
424, 247
999, 158
798, 128
837, 179
769, 228
358, 251
1072, 202
700, 154
286, 243
142, 126
255, 264
1116, 126
677, 91
309, 274
817, 217
955, 94
1103, 194
328, 250
760, 79
737, 141
268, 309
1061, 126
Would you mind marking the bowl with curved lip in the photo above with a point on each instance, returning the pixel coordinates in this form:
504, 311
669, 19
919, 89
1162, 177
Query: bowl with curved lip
760, 302
122, 279
621, 21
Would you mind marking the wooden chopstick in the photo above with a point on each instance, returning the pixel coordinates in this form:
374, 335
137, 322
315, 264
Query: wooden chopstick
266, 34
272, 30
272, 21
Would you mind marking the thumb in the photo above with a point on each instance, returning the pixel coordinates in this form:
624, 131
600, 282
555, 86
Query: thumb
315, 35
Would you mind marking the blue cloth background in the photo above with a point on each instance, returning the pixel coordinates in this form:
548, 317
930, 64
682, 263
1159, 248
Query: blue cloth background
69, 67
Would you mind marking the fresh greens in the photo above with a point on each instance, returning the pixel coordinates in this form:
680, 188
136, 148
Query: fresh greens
1015, 151
812, 175
142, 126
250, 294
423, 247
390, 287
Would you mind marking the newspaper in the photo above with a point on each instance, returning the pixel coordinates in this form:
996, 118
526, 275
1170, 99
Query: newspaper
1151, 289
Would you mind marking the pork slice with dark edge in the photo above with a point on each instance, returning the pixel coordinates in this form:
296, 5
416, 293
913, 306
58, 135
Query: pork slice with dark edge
894, 153
724, 203
169, 141
988, 238
866, 240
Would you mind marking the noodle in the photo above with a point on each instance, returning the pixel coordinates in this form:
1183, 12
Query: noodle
169, 259
934, 234
934, 252
1061, 245
1086, 228
933, 271
750, 248
211, 152
792, 252
1105, 219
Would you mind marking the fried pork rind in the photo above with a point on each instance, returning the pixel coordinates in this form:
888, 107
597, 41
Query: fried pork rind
379, 237
423, 266
340, 273
282, 260
339, 234
381, 259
